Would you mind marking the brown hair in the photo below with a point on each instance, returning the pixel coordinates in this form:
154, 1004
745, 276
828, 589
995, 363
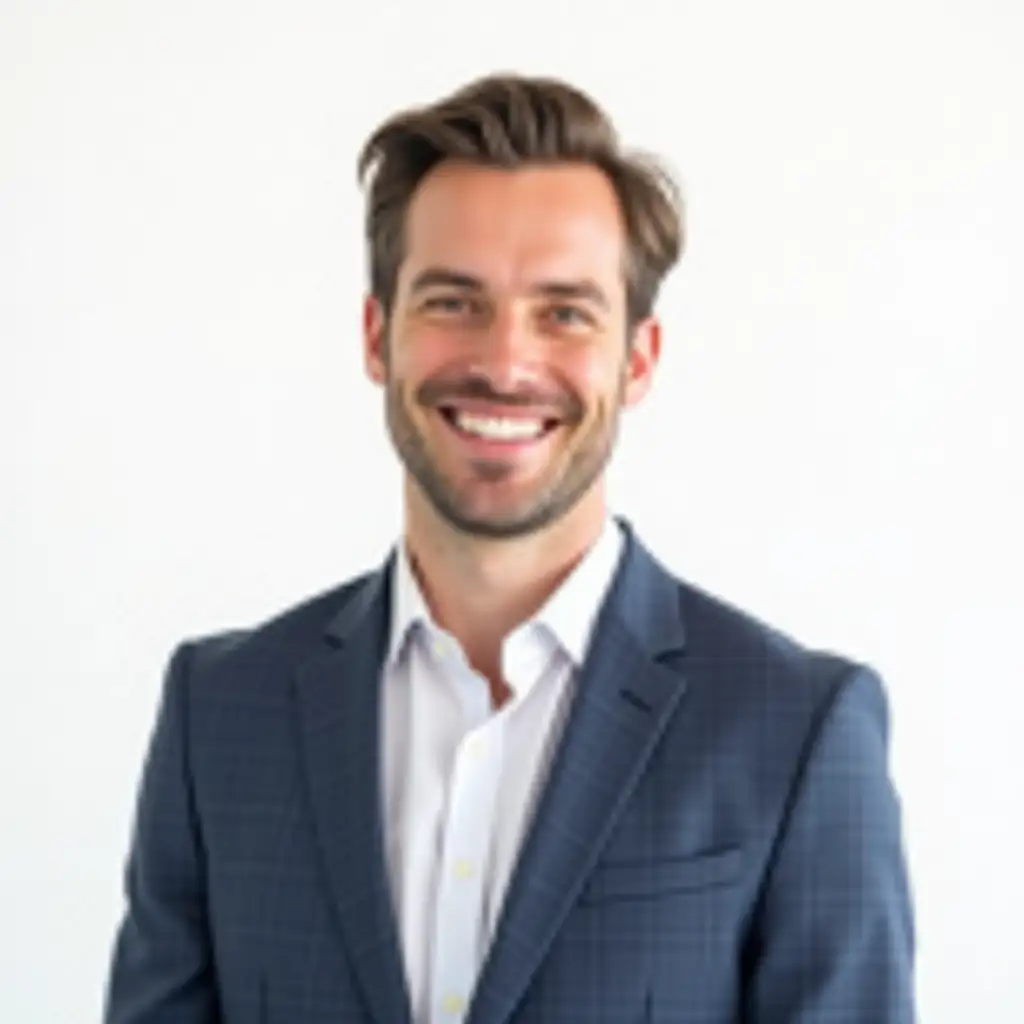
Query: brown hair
509, 121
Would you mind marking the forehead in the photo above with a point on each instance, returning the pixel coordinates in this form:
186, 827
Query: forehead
510, 227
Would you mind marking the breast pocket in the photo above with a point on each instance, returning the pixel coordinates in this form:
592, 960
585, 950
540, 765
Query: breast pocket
649, 879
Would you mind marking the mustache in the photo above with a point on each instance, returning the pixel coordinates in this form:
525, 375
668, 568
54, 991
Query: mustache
439, 392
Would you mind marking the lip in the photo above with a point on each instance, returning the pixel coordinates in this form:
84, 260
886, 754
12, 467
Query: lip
479, 407
499, 448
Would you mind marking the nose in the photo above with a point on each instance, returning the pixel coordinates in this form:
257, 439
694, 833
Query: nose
508, 353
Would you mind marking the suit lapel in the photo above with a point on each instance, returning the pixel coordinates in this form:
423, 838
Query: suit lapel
628, 689
337, 691
626, 693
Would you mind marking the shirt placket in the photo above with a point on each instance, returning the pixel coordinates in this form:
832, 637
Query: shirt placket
467, 835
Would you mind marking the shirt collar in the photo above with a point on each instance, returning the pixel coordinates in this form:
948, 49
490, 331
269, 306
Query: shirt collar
409, 609
569, 613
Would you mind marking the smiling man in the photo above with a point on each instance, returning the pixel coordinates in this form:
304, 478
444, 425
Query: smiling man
520, 772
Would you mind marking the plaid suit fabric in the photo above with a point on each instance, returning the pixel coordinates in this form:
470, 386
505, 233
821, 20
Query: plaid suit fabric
719, 840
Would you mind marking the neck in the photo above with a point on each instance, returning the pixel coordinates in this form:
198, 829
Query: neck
478, 588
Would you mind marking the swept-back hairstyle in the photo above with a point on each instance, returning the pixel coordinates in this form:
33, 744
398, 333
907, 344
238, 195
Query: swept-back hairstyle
511, 121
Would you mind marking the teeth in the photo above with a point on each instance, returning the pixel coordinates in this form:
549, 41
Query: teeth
499, 429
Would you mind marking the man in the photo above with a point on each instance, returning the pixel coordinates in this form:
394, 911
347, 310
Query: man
520, 772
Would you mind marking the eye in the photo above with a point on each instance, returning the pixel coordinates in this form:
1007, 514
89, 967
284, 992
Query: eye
452, 304
570, 316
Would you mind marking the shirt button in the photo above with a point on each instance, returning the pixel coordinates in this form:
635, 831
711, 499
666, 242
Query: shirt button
453, 1004
463, 868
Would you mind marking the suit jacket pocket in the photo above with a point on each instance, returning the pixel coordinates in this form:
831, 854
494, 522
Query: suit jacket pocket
637, 880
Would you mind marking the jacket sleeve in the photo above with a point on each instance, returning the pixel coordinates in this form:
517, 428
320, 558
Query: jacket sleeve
833, 937
162, 968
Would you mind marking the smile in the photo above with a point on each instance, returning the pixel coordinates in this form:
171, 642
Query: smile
498, 430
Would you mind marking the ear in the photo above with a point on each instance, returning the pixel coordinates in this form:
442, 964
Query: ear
642, 360
374, 340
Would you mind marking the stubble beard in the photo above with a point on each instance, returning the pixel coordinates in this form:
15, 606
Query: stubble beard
553, 499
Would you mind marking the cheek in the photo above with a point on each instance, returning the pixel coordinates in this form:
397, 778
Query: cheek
418, 353
417, 360
596, 379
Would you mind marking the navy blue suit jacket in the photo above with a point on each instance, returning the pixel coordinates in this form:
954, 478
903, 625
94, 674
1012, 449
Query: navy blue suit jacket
719, 841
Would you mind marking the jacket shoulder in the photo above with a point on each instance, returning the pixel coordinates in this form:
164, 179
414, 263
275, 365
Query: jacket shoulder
739, 648
275, 641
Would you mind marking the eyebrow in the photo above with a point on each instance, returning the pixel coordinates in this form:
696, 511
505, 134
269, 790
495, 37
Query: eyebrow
434, 277
584, 289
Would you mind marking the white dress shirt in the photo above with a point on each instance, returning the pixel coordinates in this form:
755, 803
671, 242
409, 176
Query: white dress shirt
460, 780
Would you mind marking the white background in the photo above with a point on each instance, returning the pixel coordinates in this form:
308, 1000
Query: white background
188, 442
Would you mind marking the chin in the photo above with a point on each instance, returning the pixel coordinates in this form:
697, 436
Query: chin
507, 522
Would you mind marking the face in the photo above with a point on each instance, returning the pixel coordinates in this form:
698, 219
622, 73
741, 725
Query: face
505, 359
